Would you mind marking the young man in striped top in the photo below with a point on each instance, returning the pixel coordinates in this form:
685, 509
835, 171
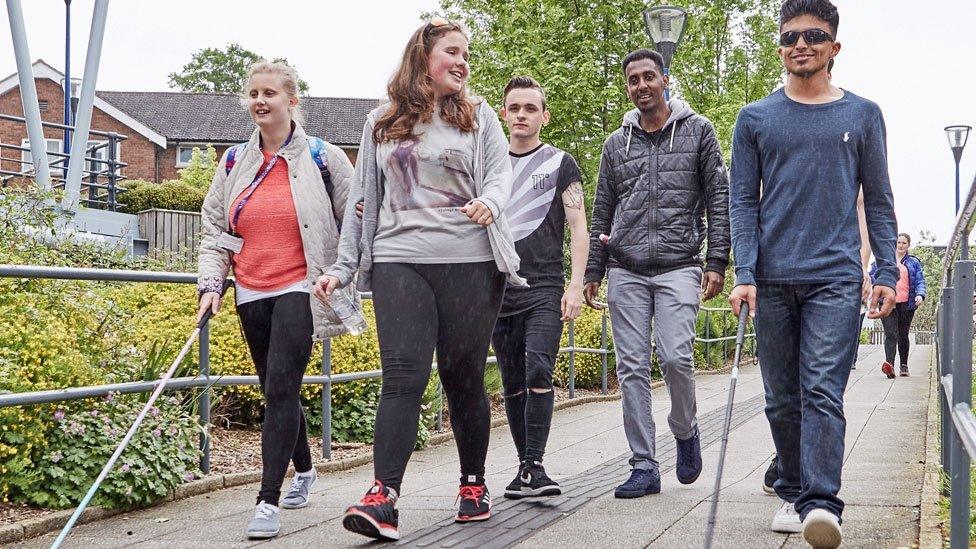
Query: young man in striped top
546, 196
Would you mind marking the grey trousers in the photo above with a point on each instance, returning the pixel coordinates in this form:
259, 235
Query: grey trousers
671, 300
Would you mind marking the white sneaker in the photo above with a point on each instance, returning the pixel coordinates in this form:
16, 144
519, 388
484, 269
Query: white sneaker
821, 529
786, 520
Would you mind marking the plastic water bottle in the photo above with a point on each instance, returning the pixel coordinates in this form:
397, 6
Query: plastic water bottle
345, 308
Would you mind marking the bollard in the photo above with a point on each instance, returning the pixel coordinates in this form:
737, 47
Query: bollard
962, 383
204, 403
572, 359
603, 345
708, 335
327, 399
439, 424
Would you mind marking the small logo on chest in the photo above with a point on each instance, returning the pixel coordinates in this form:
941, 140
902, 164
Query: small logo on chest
847, 136
540, 180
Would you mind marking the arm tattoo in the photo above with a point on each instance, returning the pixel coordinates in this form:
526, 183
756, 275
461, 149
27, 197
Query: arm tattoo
573, 196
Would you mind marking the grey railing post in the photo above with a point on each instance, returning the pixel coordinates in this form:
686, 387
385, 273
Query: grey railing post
708, 335
725, 334
205, 399
572, 359
603, 345
962, 387
944, 406
439, 423
112, 174
327, 399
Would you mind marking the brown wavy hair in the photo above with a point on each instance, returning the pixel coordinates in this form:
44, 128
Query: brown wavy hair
412, 95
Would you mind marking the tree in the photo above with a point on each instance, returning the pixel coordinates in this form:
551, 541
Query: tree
574, 48
212, 70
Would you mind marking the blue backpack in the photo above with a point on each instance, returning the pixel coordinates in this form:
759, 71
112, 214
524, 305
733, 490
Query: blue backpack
316, 147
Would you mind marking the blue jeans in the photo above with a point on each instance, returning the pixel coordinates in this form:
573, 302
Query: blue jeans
806, 347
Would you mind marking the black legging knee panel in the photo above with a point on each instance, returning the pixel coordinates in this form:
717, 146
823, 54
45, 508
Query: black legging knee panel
420, 308
278, 331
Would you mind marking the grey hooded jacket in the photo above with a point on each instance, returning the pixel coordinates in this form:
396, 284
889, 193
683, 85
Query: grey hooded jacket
652, 196
493, 186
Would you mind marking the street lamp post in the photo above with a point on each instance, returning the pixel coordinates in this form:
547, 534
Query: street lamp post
665, 28
958, 135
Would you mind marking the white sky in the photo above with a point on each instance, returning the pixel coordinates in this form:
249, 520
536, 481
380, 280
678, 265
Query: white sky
908, 57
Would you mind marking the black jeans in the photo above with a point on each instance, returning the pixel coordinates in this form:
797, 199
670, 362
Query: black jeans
420, 307
526, 345
279, 334
896, 327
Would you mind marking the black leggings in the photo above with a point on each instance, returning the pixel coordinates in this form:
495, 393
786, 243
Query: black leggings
278, 331
896, 327
526, 345
450, 307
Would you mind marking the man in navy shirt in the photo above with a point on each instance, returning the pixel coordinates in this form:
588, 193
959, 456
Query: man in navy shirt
799, 158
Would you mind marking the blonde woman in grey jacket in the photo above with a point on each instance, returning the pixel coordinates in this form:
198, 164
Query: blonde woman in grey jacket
434, 247
271, 214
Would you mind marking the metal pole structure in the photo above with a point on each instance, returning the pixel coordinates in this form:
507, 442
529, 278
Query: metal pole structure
572, 359
947, 342
603, 345
28, 95
964, 252
962, 383
204, 354
76, 164
708, 335
66, 142
439, 423
945, 421
327, 400
112, 175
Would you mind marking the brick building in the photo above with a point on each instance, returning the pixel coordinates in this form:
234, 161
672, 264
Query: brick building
163, 127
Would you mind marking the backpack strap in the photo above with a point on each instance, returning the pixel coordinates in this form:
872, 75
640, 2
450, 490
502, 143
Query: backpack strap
232, 157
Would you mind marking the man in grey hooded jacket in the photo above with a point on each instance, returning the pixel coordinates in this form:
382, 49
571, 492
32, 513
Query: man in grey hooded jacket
661, 173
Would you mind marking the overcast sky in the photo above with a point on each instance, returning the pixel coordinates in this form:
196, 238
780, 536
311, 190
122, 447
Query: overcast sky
909, 57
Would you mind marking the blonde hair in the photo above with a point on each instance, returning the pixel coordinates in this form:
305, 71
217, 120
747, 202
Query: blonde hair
289, 82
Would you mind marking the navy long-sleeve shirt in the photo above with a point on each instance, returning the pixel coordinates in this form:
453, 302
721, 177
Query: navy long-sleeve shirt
796, 170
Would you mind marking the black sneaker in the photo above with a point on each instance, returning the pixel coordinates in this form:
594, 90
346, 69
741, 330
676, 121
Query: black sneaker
514, 488
376, 515
536, 483
771, 476
904, 370
641, 483
689, 459
474, 500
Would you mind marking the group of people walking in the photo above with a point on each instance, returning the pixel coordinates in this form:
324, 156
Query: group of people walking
459, 234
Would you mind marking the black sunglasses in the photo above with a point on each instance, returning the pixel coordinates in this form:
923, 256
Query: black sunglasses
810, 36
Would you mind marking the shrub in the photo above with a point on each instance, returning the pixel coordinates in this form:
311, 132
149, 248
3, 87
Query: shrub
587, 366
169, 195
161, 455
199, 173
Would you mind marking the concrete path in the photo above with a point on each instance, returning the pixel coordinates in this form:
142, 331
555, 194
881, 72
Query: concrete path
587, 453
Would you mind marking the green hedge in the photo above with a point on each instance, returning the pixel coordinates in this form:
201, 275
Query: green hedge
170, 195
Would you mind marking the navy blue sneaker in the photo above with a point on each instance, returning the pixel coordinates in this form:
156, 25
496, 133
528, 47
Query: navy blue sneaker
689, 458
641, 483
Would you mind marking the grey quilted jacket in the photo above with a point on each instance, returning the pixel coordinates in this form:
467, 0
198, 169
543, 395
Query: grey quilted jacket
652, 196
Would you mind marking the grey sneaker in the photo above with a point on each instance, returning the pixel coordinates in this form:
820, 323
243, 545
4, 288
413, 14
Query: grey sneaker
297, 496
265, 523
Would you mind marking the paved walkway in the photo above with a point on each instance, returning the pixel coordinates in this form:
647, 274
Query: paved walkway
588, 454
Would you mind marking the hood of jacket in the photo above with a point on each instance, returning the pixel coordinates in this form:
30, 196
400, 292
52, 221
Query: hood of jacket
679, 111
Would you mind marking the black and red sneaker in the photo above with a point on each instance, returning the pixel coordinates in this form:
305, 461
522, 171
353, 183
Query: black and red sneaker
376, 515
888, 370
475, 501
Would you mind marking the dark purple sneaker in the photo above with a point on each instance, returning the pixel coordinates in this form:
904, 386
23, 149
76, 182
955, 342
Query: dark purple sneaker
689, 458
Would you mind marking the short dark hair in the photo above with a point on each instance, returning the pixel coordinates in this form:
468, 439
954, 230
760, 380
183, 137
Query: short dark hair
524, 83
821, 9
643, 53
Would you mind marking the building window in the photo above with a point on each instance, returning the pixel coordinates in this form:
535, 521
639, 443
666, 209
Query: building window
185, 152
27, 163
42, 105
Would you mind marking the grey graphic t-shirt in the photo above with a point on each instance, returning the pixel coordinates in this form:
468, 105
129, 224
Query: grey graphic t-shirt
426, 181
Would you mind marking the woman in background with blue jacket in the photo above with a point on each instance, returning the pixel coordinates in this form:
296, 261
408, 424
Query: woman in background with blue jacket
909, 294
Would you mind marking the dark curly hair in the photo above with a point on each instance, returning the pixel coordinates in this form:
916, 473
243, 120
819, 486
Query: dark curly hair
821, 9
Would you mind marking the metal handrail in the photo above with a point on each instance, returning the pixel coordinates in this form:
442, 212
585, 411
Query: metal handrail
954, 359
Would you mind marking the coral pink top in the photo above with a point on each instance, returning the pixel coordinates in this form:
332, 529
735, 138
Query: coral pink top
273, 256
901, 288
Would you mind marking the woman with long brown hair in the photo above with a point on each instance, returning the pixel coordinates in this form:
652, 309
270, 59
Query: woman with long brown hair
435, 249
